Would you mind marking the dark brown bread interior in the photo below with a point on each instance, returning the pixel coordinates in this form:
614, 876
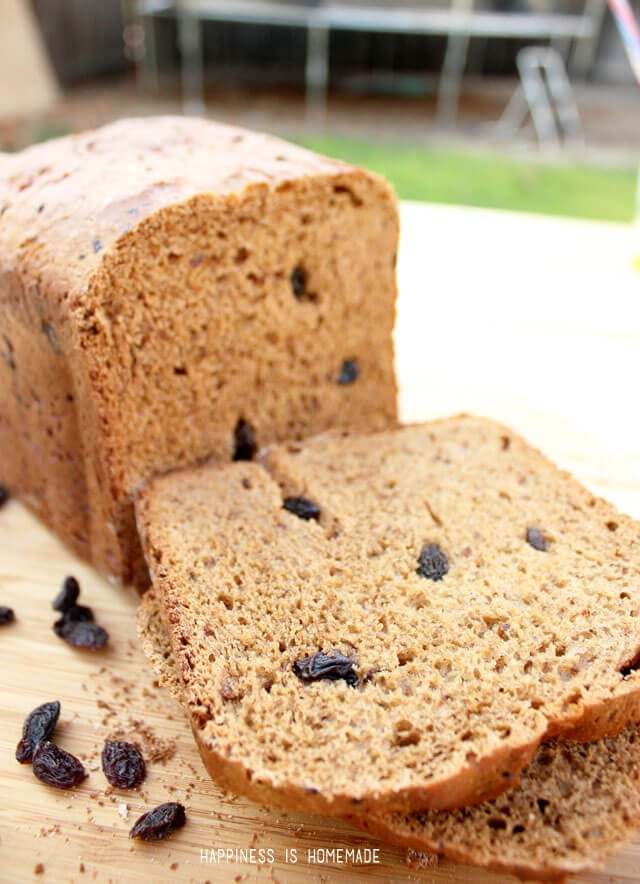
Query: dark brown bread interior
574, 805
162, 280
459, 679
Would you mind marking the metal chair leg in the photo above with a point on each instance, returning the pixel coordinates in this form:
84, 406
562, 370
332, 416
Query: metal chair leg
451, 80
190, 43
317, 74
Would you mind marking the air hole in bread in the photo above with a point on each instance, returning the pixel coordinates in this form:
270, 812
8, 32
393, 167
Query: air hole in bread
342, 189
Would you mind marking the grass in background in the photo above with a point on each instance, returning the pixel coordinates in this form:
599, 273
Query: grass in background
434, 174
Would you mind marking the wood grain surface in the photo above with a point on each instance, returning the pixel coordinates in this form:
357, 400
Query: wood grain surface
529, 320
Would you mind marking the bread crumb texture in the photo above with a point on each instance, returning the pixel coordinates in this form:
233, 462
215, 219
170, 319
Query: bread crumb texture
167, 284
459, 676
574, 805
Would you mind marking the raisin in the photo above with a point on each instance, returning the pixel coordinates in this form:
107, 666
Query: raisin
432, 562
7, 615
74, 614
81, 633
159, 822
537, 540
123, 765
302, 507
55, 767
332, 666
349, 372
38, 726
244, 441
298, 280
4, 495
67, 596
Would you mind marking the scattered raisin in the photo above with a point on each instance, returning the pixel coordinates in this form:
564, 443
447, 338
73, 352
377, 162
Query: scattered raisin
81, 633
298, 281
4, 495
55, 767
7, 615
123, 765
349, 372
432, 562
244, 441
74, 614
302, 507
68, 595
38, 726
332, 666
159, 822
537, 540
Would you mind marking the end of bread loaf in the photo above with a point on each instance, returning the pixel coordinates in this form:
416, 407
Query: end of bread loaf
172, 290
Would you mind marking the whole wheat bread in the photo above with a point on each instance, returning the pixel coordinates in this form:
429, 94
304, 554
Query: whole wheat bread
575, 804
483, 601
172, 289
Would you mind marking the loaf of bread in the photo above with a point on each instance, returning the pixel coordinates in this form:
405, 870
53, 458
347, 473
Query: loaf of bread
393, 621
574, 805
172, 290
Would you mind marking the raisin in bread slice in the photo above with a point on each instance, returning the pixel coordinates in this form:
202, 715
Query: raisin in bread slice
575, 804
172, 289
469, 599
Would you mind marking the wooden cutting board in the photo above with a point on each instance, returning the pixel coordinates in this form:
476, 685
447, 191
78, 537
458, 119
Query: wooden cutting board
565, 384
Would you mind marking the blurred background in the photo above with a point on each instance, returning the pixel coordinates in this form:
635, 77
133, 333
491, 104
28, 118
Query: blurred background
520, 104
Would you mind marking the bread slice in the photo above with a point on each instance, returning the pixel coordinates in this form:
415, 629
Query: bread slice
575, 804
472, 599
172, 289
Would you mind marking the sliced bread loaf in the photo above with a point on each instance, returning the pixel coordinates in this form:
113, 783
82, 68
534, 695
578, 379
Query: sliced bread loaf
575, 803
393, 621
172, 289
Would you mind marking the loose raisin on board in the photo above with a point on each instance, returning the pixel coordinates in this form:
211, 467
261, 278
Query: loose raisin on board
537, 540
432, 562
68, 595
159, 822
74, 614
38, 726
302, 507
123, 765
331, 666
4, 495
55, 767
349, 372
244, 441
7, 615
81, 633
